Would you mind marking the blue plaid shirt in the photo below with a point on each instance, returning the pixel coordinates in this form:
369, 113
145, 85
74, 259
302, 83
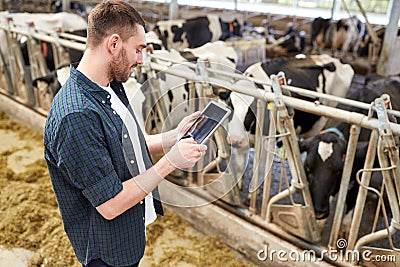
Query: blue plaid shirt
88, 162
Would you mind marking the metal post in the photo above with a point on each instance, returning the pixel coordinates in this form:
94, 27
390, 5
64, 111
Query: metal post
254, 188
389, 40
66, 5
173, 10
344, 185
295, 5
5, 80
335, 8
270, 146
362, 193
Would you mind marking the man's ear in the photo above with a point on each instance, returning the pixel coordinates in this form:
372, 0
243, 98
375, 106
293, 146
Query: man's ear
114, 42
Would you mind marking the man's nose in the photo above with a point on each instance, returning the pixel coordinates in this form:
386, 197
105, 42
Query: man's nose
140, 59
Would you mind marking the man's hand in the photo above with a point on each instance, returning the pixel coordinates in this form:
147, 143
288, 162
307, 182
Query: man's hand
185, 153
164, 141
185, 124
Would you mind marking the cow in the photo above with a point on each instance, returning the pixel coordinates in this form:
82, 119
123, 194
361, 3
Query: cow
325, 152
293, 40
195, 32
153, 39
367, 41
320, 73
292, 43
75, 7
67, 22
347, 35
52, 82
319, 29
175, 90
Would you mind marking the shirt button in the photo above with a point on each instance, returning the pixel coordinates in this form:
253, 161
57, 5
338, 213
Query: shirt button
108, 96
125, 136
143, 218
114, 112
103, 102
132, 161
141, 202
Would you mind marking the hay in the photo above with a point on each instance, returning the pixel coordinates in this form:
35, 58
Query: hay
30, 219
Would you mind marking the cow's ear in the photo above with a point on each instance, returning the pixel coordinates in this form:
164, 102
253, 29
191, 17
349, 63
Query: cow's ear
304, 144
343, 144
329, 66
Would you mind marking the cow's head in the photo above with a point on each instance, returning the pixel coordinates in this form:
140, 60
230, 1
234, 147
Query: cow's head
48, 84
52, 82
162, 35
229, 29
323, 166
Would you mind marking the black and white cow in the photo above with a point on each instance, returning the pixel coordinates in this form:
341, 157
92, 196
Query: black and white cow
290, 42
75, 7
319, 29
174, 90
367, 41
347, 36
294, 41
326, 151
195, 32
67, 22
320, 73
344, 35
52, 82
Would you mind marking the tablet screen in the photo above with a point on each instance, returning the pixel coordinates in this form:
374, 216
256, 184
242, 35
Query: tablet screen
206, 123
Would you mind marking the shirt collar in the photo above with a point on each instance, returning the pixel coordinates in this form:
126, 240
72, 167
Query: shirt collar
94, 89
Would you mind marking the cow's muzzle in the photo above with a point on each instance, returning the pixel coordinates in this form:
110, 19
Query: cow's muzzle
320, 215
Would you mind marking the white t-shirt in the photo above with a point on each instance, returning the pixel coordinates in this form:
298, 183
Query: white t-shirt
129, 122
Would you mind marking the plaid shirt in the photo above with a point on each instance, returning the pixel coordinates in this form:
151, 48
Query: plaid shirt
88, 159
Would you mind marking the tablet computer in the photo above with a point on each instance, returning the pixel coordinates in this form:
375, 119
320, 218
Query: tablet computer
208, 121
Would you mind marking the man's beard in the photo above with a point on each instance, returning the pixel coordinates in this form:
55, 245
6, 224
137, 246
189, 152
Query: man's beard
119, 70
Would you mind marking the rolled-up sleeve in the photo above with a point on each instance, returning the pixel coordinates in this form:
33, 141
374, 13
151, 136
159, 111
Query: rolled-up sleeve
84, 155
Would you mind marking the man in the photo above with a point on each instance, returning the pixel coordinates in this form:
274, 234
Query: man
97, 156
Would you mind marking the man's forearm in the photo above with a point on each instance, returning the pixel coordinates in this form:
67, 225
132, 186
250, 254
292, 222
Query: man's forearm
162, 141
136, 189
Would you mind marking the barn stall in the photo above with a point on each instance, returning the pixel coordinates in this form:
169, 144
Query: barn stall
235, 222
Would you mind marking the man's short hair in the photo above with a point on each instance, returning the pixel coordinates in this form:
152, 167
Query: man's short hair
112, 16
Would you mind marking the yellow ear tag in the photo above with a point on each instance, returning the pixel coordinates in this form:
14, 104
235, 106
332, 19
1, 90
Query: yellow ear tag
270, 105
280, 152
